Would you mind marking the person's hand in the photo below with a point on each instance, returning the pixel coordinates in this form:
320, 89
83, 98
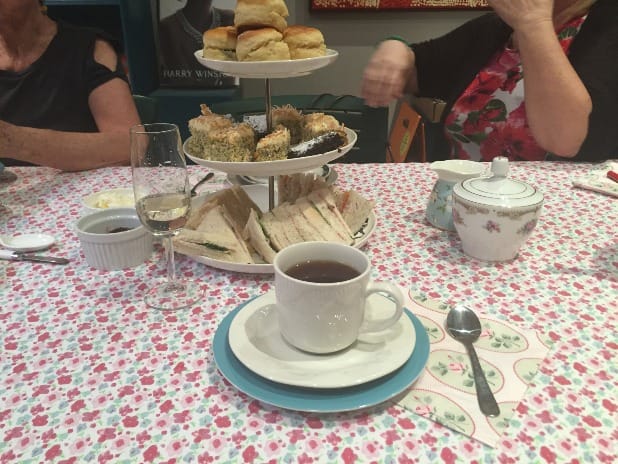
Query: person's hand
520, 14
387, 73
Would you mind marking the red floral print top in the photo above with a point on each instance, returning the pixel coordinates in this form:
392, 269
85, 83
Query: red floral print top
489, 119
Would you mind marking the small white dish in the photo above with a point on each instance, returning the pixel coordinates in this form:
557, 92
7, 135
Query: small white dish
27, 242
111, 198
113, 239
268, 69
255, 340
276, 167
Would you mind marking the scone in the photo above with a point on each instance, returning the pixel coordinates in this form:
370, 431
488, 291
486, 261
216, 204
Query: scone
273, 146
220, 43
304, 42
254, 14
264, 44
232, 144
289, 117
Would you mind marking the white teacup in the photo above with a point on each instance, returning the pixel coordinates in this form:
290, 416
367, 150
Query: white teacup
321, 317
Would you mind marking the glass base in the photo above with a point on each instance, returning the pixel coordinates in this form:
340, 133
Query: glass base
171, 296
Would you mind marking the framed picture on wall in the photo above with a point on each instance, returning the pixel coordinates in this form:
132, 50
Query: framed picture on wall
398, 5
181, 26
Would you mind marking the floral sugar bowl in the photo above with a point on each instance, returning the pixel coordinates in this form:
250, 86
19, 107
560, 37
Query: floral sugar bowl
439, 212
495, 215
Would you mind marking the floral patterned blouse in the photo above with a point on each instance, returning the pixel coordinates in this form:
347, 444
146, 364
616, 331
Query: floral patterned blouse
489, 119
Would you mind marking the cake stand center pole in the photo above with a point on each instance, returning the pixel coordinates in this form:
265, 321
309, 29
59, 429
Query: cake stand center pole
269, 128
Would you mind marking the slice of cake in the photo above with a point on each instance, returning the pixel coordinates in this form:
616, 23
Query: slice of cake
289, 117
232, 144
273, 146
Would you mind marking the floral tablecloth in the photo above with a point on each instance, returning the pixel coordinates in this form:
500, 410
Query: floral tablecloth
89, 374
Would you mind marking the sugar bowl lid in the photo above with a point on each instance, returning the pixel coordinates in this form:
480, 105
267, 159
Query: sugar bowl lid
498, 189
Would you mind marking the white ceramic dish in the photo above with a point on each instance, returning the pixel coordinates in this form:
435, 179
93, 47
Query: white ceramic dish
273, 168
111, 198
494, 216
257, 343
259, 194
326, 172
27, 242
268, 69
107, 250
319, 400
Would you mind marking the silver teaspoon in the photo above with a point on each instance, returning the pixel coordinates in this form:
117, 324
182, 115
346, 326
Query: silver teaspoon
206, 178
464, 326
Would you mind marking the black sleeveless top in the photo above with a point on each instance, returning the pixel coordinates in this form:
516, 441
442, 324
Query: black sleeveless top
53, 92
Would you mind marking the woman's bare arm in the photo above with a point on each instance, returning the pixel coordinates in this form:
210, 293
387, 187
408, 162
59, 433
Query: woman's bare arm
558, 104
114, 112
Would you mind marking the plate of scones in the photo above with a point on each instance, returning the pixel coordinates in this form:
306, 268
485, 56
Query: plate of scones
298, 142
261, 44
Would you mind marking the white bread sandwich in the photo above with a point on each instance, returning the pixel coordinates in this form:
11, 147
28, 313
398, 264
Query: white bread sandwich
214, 238
304, 42
254, 234
229, 226
323, 201
253, 14
265, 44
293, 186
353, 208
220, 43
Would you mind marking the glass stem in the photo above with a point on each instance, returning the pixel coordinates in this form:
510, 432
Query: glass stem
171, 268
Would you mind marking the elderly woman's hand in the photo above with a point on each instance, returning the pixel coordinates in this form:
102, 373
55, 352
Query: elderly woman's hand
388, 73
520, 14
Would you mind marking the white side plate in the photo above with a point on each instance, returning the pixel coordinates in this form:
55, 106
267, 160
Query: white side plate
27, 242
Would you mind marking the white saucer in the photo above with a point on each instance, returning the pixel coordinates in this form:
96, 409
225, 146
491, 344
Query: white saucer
27, 242
255, 340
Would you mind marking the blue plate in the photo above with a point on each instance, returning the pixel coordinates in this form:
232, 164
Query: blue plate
319, 400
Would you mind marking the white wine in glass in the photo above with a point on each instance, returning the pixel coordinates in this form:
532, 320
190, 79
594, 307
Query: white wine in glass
163, 201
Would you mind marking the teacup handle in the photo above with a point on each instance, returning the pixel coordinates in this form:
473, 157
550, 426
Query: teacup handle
395, 295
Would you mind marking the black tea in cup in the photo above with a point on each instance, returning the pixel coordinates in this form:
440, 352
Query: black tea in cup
322, 271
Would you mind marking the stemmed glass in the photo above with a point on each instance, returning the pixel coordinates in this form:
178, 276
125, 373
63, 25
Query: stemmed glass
163, 199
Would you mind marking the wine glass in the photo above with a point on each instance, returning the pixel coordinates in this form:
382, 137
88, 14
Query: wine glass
162, 199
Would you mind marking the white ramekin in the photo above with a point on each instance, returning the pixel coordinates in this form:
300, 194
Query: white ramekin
113, 251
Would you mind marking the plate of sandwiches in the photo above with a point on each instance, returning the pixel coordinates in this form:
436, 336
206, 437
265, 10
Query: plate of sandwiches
298, 143
232, 229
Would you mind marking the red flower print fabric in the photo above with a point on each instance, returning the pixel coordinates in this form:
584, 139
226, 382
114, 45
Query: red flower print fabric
489, 118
